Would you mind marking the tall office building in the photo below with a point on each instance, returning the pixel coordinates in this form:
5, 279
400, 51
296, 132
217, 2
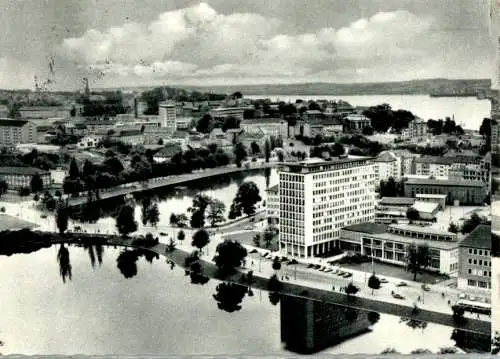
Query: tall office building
167, 116
318, 198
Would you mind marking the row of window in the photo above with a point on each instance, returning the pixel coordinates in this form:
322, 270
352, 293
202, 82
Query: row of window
481, 252
479, 272
478, 283
290, 177
480, 262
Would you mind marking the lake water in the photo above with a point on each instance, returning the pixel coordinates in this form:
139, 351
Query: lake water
468, 111
158, 311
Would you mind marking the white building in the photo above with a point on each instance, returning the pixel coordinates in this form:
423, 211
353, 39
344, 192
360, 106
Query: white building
318, 198
273, 205
387, 165
88, 142
167, 116
224, 112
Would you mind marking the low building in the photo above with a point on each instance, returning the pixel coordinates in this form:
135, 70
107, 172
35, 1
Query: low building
417, 129
389, 244
395, 203
13, 132
96, 127
225, 112
167, 152
474, 270
130, 137
436, 198
313, 114
457, 191
43, 112
19, 177
273, 205
270, 128
88, 142
356, 122
427, 210
407, 161
387, 165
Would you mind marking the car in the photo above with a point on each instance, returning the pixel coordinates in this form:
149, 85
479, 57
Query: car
253, 251
163, 234
328, 270
462, 296
347, 275
248, 228
397, 296
310, 265
317, 266
472, 298
43, 216
383, 280
77, 228
426, 287
402, 284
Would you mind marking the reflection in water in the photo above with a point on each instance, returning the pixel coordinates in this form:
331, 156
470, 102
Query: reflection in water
64, 263
414, 324
229, 296
309, 326
471, 342
127, 260
99, 250
198, 278
274, 298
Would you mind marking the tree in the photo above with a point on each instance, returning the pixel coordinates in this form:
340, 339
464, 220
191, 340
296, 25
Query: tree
240, 153
276, 264
368, 131
417, 258
204, 123
3, 186
412, 214
230, 122
154, 214
373, 282
453, 228
247, 197
182, 220
200, 239
234, 211
74, 170
495, 343
485, 128
173, 220
256, 240
267, 150
181, 235
471, 223
62, 218
198, 209
24, 191
216, 210
229, 255
268, 236
281, 156
125, 222
351, 289
254, 146
36, 183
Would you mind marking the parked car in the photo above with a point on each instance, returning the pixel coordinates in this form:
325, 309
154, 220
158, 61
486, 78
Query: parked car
347, 275
43, 216
426, 287
402, 284
383, 280
397, 296
163, 234
462, 296
310, 265
248, 228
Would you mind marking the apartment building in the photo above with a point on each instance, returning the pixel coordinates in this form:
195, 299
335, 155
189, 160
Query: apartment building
474, 269
417, 129
356, 122
224, 112
273, 205
318, 198
461, 191
389, 244
13, 132
19, 177
44, 112
168, 116
472, 168
387, 165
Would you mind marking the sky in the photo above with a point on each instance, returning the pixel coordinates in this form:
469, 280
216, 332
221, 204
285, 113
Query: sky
217, 42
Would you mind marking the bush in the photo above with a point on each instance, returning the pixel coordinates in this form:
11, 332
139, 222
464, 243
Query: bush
147, 241
24, 191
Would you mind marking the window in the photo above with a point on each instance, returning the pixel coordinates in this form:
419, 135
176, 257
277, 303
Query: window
471, 283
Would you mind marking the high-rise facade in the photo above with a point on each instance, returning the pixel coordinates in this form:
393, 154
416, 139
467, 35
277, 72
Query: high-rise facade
168, 116
318, 198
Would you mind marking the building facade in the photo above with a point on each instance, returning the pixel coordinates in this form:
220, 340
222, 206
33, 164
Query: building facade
318, 198
390, 244
465, 192
13, 132
224, 112
19, 177
168, 116
273, 205
474, 270
387, 165
356, 122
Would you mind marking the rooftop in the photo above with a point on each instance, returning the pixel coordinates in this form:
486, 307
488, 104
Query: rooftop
316, 163
421, 229
273, 189
449, 182
367, 227
30, 171
169, 150
478, 238
386, 156
7, 122
426, 207
397, 201
446, 245
436, 196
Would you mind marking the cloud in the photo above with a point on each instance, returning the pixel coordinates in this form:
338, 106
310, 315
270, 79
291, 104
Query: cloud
199, 43
16, 74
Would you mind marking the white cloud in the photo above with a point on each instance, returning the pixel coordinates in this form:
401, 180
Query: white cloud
199, 42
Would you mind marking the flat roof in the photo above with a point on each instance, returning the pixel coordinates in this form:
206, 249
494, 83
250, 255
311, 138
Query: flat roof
446, 245
480, 237
426, 207
449, 182
273, 189
326, 163
422, 229
438, 196
7, 122
21, 170
367, 227
397, 201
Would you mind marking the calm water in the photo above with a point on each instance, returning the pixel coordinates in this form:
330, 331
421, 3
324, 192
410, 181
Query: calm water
467, 110
158, 311
222, 188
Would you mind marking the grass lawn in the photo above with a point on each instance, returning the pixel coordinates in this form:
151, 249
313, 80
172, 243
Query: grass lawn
247, 238
9, 222
383, 269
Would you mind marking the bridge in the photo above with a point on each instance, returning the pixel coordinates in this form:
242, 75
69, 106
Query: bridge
159, 182
289, 288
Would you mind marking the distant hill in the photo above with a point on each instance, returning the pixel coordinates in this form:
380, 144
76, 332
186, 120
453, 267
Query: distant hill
415, 87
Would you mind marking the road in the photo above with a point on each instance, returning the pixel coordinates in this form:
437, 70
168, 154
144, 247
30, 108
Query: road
167, 181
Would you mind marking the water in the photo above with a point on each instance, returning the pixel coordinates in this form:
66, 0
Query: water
157, 311
222, 188
467, 110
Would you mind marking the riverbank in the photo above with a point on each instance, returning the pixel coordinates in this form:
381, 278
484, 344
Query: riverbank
260, 282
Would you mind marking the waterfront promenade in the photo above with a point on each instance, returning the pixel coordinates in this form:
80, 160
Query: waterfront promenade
173, 180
